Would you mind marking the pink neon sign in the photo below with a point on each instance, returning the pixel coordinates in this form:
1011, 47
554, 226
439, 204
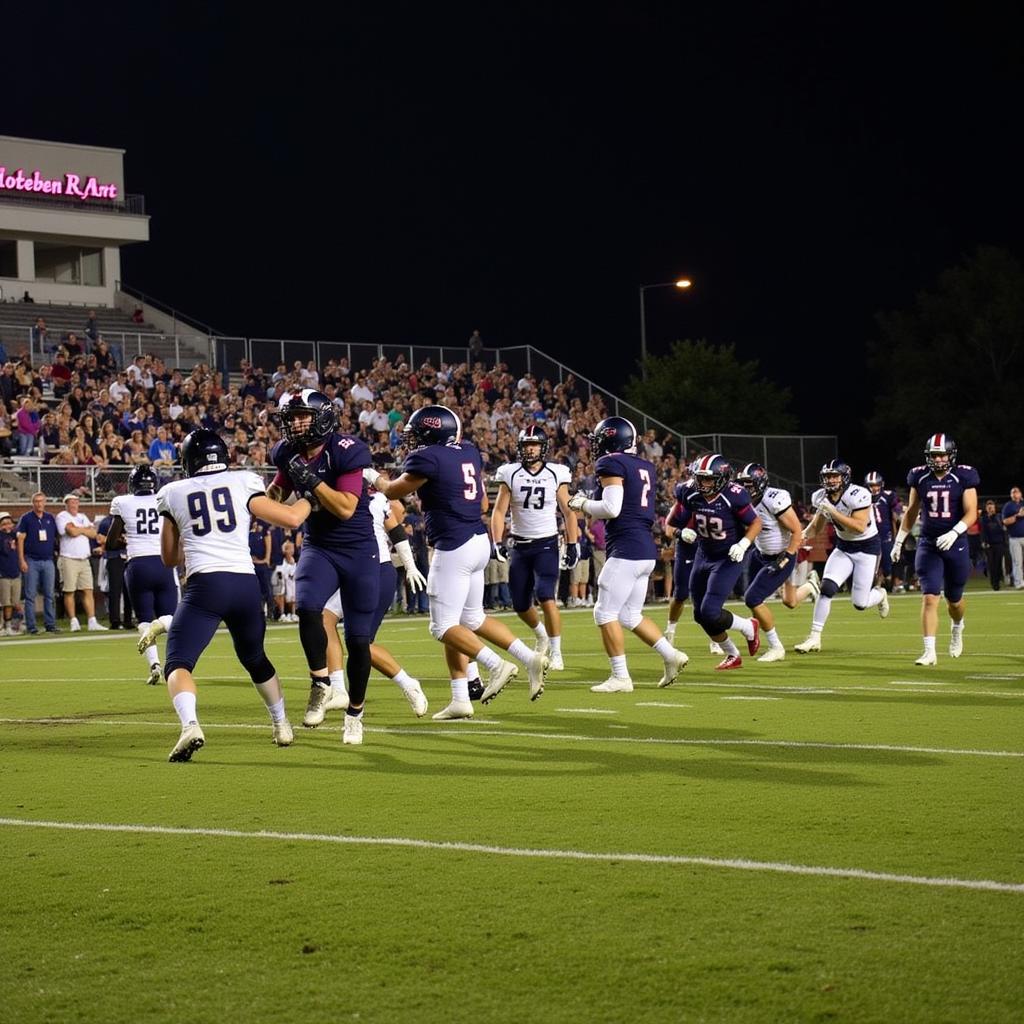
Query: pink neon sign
68, 185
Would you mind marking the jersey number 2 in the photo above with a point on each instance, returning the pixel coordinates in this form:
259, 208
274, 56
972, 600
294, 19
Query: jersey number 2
199, 510
646, 477
147, 520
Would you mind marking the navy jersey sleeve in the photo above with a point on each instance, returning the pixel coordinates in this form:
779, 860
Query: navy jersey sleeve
422, 462
969, 477
679, 492
611, 465
349, 454
742, 507
914, 476
680, 514
280, 454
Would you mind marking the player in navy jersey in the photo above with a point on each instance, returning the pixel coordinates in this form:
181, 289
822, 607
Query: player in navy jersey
847, 506
447, 473
682, 566
724, 526
945, 493
884, 506
625, 498
339, 551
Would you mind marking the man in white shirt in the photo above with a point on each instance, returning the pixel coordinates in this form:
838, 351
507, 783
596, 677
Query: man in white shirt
75, 529
360, 392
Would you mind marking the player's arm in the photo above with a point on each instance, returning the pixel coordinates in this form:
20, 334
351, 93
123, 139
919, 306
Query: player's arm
400, 542
170, 537
266, 508
789, 520
115, 533
814, 527
572, 529
738, 551
501, 504
856, 522
610, 503
397, 513
266, 549
399, 488
909, 515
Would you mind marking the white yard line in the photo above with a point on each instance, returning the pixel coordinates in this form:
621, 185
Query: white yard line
679, 860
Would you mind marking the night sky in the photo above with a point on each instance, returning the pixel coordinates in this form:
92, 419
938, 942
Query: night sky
807, 165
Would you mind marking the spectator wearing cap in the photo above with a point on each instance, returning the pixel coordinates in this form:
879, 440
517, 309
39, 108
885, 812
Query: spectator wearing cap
37, 545
10, 574
75, 529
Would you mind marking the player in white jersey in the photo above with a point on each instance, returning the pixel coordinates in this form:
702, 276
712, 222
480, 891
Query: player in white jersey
775, 554
848, 507
534, 490
284, 583
207, 516
152, 586
387, 519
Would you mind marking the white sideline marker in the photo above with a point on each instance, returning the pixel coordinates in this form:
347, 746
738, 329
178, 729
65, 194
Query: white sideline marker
735, 864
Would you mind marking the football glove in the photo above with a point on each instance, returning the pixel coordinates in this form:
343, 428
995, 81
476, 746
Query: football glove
897, 548
826, 508
302, 477
947, 540
501, 551
571, 556
782, 560
739, 549
576, 501
371, 476
687, 536
413, 576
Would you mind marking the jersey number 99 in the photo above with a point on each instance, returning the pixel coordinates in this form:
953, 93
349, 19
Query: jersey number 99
199, 510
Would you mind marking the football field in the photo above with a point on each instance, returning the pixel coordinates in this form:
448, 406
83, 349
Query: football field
836, 837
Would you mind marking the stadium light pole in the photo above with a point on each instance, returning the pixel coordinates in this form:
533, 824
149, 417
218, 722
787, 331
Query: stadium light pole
682, 284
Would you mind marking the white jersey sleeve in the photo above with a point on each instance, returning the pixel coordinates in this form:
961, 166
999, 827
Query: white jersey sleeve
534, 498
774, 537
853, 498
504, 473
212, 514
380, 509
141, 521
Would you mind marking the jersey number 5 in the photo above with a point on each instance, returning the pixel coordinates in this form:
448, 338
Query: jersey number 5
199, 510
469, 476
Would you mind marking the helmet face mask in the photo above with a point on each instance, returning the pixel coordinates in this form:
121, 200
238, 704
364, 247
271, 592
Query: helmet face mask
203, 451
142, 480
308, 418
940, 453
874, 482
835, 476
753, 477
613, 434
531, 445
712, 473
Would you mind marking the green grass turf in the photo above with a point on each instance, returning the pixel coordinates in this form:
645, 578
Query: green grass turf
135, 926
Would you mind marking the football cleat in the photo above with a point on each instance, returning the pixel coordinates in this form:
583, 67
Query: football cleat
498, 677
316, 706
417, 699
284, 735
476, 690
155, 671
754, 644
338, 699
956, 643
457, 709
883, 606
542, 646
730, 661
928, 658
673, 668
555, 663
812, 643
190, 740
153, 630
715, 648
613, 684
352, 732
537, 671
774, 654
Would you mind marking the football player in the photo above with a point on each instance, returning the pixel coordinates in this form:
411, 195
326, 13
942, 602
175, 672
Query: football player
775, 551
339, 551
533, 489
207, 516
847, 507
152, 586
387, 519
724, 526
884, 505
446, 471
945, 493
625, 498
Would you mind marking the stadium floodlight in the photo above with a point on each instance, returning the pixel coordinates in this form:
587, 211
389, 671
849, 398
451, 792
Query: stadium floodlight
682, 284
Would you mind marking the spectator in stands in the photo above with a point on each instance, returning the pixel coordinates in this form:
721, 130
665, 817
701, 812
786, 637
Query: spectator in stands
27, 298
37, 545
308, 377
476, 346
360, 391
60, 374
3, 353
8, 383
119, 390
72, 346
138, 317
40, 336
28, 426
6, 431
106, 364
92, 328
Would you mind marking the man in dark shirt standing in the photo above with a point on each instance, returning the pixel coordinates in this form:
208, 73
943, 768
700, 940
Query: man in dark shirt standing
1013, 520
993, 543
10, 574
37, 544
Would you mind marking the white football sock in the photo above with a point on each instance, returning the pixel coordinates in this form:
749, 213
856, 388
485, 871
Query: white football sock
460, 690
665, 649
619, 669
521, 652
185, 704
490, 660
556, 645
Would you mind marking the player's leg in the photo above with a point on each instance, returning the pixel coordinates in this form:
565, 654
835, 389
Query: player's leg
957, 570
359, 575
716, 620
863, 593
380, 657
520, 582
614, 588
334, 696
631, 617
545, 585
154, 596
928, 565
838, 569
682, 566
316, 579
460, 705
248, 628
763, 585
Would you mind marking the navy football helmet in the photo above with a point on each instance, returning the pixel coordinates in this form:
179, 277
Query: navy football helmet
203, 451
142, 480
613, 434
712, 473
835, 467
940, 453
874, 482
532, 434
432, 424
754, 477
320, 409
